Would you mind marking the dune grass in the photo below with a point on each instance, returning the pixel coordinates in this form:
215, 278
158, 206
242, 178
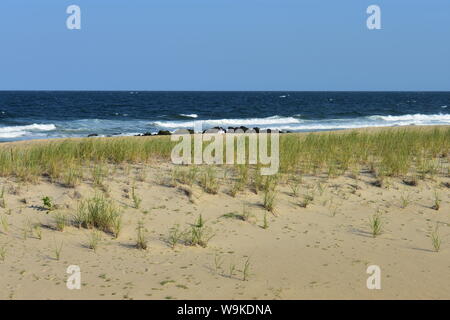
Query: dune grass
397, 152
99, 213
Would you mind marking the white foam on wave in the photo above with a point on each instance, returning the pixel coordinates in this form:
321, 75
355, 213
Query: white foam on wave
21, 131
192, 115
418, 117
295, 124
269, 121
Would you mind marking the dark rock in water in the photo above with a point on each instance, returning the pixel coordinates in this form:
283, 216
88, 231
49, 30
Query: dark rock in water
256, 129
93, 135
191, 131
146, 134
243, 128
163, 133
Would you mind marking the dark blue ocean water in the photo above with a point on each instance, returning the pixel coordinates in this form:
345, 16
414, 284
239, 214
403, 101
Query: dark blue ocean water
31, 115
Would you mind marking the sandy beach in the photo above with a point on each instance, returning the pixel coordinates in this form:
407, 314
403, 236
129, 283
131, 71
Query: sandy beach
315, 243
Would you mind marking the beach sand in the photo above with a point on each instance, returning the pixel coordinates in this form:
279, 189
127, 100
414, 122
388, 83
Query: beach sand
318, 252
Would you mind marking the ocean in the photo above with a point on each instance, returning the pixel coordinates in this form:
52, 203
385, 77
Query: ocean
46, 114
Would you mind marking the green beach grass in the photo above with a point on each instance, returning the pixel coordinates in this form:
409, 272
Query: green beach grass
399, 152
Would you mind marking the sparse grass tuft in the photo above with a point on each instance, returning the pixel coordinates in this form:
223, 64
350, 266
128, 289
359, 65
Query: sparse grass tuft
246, 270
199, 235
437, 201
294, 185
141, 240
265, 221
136, 199
435, 239
175, 236
57, 249
60, 221
209, 181
405, 200
94, 239
270, 193
376, 224
307, 199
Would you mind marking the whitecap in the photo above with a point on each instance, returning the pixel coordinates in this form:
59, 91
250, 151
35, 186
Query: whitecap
192, 115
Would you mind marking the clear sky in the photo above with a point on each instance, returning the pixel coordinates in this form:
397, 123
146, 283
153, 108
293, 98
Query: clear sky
225, 45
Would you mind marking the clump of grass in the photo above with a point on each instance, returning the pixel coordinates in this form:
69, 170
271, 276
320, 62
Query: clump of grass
241, 180
307, 199
269, 200
405, 200
258, 181
141, 240
136, 199
175, 236
72, 176
94, 239
294, 185
100, 213
209, 181
57, 249
60, 221
437, 201
191, 176
237, 186
270, 193
436, 239
187, 177
376, 224
48, 203
99, 173
246, 270
116, 227
199, 235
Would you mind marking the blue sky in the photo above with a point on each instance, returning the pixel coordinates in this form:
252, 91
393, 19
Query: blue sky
225, 45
